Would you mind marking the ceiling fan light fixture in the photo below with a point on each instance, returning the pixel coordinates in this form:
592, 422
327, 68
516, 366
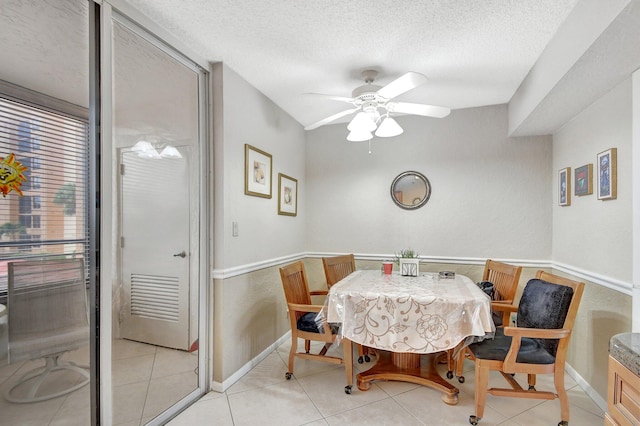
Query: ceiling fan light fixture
389, 128
142, 146
170, 152
362, 122
144, 149
359, 135
373, 105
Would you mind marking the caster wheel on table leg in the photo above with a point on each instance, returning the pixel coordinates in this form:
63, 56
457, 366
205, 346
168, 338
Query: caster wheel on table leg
347, 390
367, 359
287, 375
449, 374
461, 379
360, 360
563, 423
474, 420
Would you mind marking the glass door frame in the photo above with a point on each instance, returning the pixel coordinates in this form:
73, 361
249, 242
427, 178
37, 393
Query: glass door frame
103, 190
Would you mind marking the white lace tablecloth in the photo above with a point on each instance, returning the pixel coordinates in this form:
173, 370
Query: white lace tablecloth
421, 314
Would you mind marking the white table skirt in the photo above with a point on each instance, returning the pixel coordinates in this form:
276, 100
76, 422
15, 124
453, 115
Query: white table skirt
396, 313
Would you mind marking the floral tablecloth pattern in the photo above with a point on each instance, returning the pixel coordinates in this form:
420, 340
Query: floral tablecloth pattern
421, 314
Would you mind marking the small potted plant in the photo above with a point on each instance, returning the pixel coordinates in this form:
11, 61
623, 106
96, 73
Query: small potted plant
409, 262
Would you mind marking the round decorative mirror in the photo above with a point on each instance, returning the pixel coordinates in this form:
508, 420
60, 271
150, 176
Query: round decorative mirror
410, 190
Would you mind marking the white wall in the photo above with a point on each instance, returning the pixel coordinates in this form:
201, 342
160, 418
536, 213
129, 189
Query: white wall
491, 193
249, 312
592, 234
592, 239
243, 115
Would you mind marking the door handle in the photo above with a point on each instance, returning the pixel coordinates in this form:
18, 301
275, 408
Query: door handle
182, 254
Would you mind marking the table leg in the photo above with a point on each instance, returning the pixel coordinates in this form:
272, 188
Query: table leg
408, 367
348, 363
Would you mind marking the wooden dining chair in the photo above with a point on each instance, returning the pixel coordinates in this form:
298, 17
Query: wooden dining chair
338, 267
505, 279
537, 345
335, 269
302, 316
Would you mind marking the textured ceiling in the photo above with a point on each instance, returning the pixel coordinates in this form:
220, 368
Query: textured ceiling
474, 53
44, 46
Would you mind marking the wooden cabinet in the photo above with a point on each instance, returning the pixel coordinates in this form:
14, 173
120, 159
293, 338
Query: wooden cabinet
623, 400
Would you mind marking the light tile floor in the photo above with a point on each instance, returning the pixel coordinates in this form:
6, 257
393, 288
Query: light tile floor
315, 396
149, 379
146, 381
71, 409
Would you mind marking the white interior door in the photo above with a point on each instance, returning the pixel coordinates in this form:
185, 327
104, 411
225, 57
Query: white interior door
155, 248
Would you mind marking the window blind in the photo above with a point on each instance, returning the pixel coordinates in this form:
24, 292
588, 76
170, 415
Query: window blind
49, 220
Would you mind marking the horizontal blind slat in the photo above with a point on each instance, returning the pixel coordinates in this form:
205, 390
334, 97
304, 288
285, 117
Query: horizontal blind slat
50, 219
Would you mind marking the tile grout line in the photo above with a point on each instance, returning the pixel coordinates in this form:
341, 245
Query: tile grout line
146, 396
226, 397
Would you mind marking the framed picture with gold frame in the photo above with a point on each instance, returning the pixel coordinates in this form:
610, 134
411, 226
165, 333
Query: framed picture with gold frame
583, 180
257, 172
287, 195
607, 174
564, 187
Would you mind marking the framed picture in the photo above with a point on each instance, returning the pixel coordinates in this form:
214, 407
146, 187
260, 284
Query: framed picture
584, 180
257, 172
607, 175
564, 187
287, 195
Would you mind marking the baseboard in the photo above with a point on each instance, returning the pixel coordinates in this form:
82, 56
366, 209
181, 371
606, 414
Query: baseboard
586, 387
221, 387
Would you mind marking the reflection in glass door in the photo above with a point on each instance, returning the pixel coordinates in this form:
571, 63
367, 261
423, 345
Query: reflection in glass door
157, 132
155, 274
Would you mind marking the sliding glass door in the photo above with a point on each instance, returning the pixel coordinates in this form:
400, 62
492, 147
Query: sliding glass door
45, 255
102, 218
153, 102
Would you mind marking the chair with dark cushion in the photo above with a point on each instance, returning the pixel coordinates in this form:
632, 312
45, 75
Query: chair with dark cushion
302, 316
537, 345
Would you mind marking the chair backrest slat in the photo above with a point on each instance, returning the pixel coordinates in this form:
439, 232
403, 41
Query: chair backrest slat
504, 277
295, 284
338, 267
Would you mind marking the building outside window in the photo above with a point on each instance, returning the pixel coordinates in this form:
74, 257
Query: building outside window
49, 220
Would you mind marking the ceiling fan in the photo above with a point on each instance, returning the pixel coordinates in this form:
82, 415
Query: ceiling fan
374, 106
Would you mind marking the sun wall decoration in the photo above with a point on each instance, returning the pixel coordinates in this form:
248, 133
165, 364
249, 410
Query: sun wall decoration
11, 177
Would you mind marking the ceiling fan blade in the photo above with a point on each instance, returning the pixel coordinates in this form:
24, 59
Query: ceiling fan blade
335, 98
418, 109
331, 118
402, 84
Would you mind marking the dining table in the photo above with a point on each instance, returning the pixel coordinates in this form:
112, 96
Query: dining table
410, 321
